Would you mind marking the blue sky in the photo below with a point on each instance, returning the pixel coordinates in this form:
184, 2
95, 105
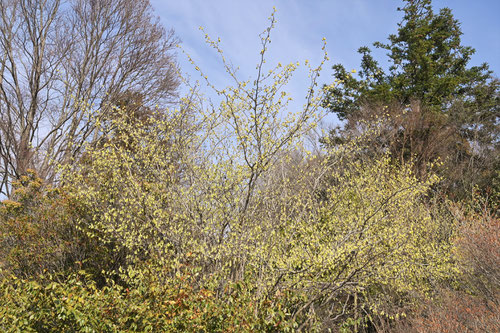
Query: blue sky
300, 27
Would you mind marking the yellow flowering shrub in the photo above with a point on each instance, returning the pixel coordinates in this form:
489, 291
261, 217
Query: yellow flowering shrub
209, 204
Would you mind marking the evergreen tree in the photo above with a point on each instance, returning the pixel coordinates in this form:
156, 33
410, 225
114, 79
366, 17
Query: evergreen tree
428, 64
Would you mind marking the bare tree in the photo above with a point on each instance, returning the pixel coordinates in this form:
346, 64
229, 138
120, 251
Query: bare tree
62, 60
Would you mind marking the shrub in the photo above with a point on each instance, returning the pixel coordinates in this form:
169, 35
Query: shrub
149, 304
472, 302
40, 232
37, 230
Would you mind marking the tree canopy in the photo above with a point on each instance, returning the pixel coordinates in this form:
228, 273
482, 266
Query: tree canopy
428, 64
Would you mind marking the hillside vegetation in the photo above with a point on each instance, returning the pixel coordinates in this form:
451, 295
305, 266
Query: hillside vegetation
165, 214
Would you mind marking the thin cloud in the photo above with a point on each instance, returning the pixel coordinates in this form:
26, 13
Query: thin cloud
347, 25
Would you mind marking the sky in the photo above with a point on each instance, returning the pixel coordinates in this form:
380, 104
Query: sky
300, 27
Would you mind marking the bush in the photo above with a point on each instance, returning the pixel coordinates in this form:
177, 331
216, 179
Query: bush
37, 230
40, 232
455, 311
473, 305
149, 304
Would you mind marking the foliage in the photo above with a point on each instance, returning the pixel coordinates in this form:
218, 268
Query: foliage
220, 219
456, 312
373, 232
479, 245
186, 182
428, 64
149, 304
431, 91
306, 255
122, 185
473, 305
63, 60
37, 230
